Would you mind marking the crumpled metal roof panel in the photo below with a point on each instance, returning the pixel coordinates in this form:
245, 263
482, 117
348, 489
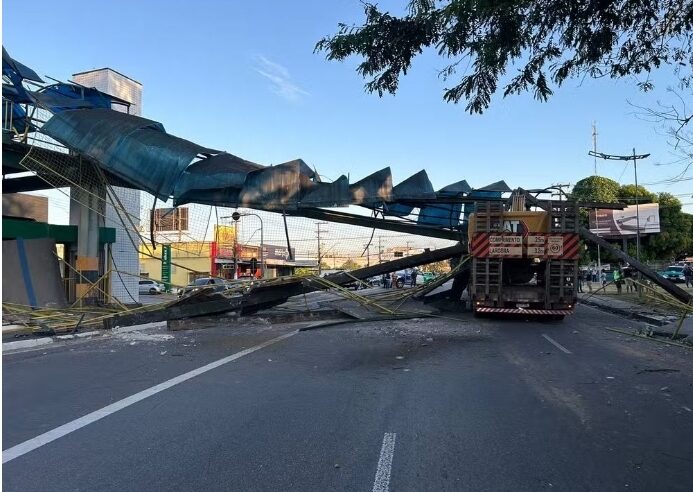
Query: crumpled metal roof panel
135, 149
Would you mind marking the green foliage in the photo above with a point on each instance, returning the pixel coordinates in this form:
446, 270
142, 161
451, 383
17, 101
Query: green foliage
628, 193
540, 44
349, 265
304, 271
675, 238
596, 189
438, 267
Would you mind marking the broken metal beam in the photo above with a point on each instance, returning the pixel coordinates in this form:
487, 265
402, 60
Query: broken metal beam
399, 264
664, 283
384, 224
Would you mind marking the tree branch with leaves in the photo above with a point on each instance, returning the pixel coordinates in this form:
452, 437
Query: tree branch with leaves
517, 46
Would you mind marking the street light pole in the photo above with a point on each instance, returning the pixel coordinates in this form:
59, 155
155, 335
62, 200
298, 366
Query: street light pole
637, 207
634, 157
319, 248
262, 243
237, 216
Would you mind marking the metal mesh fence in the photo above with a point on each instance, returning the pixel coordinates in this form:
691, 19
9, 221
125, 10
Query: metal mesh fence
206, 240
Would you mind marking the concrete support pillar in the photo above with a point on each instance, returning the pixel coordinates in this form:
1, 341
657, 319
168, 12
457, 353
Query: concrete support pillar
86, 212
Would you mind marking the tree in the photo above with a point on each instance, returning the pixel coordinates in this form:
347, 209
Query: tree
596, 189
349, 265
544, 43
676, 238
439, 267
627, 194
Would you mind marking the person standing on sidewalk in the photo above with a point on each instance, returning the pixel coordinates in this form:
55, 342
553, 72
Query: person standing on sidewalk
688, 275
579, 282
414, 273
618, 279
588, 279
628, 279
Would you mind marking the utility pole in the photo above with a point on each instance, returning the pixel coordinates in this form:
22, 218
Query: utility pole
637, 206
320, 246
596, 211
594, 145
380, 251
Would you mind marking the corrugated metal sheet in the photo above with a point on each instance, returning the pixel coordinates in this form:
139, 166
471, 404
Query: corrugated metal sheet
373, 189
135, 149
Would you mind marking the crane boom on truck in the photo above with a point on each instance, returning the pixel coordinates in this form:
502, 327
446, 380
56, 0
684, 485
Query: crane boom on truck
524, 262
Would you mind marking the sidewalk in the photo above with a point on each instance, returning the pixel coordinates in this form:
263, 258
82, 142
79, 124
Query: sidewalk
630, 305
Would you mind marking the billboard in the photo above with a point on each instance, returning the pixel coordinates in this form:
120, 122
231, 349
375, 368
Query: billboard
607, 222
224, 234
278, 254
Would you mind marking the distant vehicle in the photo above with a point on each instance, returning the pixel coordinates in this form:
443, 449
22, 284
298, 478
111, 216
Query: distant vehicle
374, 281
674, 273
426, 277
218, 284
151, 287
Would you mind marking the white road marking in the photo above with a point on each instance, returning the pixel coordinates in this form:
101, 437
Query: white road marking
556, 344
382, 474
63, 430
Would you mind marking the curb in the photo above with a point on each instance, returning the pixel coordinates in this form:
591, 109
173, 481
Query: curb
22, 344
626, 313
39, 342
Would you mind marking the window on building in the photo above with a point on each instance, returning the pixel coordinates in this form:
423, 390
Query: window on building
171, 219
399, 254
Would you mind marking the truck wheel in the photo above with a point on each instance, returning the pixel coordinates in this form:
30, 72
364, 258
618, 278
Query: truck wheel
152, 291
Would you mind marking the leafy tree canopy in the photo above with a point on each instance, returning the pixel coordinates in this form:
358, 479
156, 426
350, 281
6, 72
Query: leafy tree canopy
628, 193
596, 188
523, 46
349, 265
676, 236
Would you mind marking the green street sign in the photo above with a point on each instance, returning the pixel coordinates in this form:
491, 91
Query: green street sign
166, 265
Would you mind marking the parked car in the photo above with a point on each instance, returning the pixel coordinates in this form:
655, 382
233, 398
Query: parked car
151, 287
674, 273
217, 284
374, 281
426, 277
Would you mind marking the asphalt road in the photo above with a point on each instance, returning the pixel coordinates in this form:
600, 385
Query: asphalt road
430, 404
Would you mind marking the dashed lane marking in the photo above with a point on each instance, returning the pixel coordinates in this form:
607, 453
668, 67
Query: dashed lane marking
556, 344
382, 474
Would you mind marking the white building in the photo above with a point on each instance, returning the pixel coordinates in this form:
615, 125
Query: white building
125, 255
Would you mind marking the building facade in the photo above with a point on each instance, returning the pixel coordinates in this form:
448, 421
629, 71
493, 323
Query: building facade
124, 255
196, 259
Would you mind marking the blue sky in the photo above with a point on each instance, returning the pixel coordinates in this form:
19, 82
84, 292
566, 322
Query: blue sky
242, 77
